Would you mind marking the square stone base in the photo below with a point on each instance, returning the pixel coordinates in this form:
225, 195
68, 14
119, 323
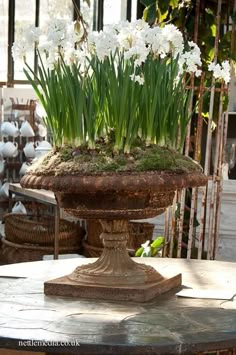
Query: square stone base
63, 286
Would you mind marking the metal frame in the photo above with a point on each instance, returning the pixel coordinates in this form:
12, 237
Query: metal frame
207, 200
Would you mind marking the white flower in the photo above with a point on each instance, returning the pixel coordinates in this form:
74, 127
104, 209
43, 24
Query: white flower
221, 71
72, 35
198, 72
139, 52
56, 31
190, 61
20, 50
226, 71
175, 39
31, 34
155, 40
137, 78
103, 42
146, 248
136, 40
165, 40
131, 34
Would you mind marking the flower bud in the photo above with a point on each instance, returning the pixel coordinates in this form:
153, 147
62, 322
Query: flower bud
77, 26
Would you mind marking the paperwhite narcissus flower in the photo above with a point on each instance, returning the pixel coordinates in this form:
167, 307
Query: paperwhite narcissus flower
56, 31
20, 50
146, 248
174, 37
32, 34
104, 43
190, 60
137, 40
137, 78
221, 71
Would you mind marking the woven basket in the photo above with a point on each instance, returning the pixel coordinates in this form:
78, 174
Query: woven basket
139, 233
94, 252
91, 251
11, 253
24, 229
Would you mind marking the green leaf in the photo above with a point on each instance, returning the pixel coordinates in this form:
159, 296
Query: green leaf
174, 3
163, 6
161, 16
213, 29
210, 54
158, 242
145, 14
234, 18
139, 252
151, 14
148, 2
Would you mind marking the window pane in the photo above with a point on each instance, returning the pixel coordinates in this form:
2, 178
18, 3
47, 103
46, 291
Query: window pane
114, 11
51, 9
64, 9
24, 16
3, 39
87, 12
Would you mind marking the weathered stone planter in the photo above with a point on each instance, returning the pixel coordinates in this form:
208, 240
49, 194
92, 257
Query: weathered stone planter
114, 199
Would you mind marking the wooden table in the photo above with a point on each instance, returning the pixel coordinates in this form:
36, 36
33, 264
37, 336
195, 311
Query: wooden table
43, 196
29, 320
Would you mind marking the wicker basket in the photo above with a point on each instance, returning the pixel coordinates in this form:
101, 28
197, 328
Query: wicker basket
91, 251
11, 253
24, 229
139, 233
94, 252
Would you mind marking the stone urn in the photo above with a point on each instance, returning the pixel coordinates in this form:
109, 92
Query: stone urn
113, 199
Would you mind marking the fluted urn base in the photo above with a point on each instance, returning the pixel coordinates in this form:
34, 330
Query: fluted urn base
114, 275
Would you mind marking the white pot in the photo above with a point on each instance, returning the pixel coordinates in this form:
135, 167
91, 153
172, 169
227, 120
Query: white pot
10, 129
10, 150
41, 151
4, 191
19, 208
24, 167
29, 150
26, 130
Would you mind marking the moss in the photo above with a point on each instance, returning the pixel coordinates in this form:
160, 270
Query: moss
156, 162
112, 166
120, 160
85, 161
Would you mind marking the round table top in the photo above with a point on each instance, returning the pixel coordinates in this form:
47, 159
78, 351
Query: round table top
170, 324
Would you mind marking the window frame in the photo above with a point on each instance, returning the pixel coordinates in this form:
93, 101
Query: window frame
97, 25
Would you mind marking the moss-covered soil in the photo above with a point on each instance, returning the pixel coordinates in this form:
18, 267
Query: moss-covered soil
68, 160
